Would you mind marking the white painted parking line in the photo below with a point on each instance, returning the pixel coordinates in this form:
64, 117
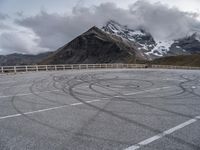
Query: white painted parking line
25, 94
150, 90
161, 135
74, 104
23, 85
8, 82
197, 117
127, 94
47, 109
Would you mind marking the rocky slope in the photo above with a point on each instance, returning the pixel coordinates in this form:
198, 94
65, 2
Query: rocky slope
95, 46
115, 43
149, 47
143, 40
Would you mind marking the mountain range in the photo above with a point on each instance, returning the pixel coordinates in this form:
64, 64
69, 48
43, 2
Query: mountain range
151, 48
22, 59
113, 43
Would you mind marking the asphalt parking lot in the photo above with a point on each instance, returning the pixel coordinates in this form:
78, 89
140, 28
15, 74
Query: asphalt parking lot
116, 109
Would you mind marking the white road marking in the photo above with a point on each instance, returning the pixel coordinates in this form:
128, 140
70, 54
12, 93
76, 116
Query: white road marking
127, 94
150, 90
140, 92
97, 100
25, 94
172, 80
118, 96
47, 109
23, 85
10, 116
197, 117
161, 135
8, 82
193, 87
59, 107
75, 104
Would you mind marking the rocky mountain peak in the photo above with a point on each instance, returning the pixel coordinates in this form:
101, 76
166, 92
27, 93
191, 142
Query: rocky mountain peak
150, 47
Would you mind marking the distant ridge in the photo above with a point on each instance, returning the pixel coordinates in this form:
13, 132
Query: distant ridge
182, 60
22, 59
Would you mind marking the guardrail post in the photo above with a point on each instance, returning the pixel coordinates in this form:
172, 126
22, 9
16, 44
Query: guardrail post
46, 68
55, 68
15, 70
26, 68
2, 70
37, 68
63, 67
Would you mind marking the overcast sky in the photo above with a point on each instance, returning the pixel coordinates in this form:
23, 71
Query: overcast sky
34, 26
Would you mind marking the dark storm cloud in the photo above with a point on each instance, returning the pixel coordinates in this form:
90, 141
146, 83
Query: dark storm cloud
162, 22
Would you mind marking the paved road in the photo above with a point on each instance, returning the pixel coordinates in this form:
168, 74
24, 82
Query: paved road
100, 110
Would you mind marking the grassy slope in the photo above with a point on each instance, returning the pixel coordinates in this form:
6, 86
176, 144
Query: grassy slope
183, 60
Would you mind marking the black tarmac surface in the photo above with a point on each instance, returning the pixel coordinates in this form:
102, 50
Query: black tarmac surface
117, 109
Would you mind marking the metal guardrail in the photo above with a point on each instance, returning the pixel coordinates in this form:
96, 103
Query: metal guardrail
35, 68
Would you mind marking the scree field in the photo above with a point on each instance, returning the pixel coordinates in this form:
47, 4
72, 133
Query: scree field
116, 109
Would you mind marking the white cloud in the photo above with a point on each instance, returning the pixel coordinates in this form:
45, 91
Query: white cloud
164, 22
20, 42
52, 30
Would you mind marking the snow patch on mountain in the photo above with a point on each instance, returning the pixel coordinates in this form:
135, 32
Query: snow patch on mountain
137, 33
144, 40
197, 37
161, 48
113, 27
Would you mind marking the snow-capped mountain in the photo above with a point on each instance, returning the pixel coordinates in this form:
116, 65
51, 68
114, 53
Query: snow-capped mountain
141, 37
190, 44
151, 48
161, 48
115, 43
197, 37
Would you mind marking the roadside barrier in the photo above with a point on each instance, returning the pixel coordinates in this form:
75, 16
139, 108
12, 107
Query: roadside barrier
36, 68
